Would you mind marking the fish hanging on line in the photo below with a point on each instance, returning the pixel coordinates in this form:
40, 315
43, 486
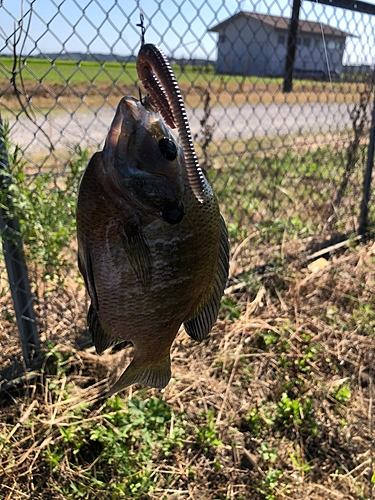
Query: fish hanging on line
152, 246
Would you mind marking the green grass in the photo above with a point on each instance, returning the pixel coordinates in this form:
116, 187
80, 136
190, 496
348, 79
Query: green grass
60, 71
282, 192
45, 207
123, 444
291, 189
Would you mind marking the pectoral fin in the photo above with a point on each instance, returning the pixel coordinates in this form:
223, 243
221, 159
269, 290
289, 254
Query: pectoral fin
100, 338
155, 375
88, 275
138, 253
203, 319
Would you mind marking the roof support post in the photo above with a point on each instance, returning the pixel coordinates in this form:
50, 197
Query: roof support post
291, 47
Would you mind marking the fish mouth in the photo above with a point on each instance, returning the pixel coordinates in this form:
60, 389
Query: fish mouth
122, 124
173, 213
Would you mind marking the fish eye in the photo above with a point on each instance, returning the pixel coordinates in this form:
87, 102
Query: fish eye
168, 149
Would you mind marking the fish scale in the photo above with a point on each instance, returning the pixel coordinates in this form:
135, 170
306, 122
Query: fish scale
152, 255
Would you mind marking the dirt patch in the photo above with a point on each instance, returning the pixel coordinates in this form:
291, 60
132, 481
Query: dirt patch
66, 96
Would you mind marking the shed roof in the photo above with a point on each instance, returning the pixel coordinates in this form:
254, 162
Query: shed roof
282, 23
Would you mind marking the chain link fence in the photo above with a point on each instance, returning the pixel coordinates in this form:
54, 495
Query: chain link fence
288, 167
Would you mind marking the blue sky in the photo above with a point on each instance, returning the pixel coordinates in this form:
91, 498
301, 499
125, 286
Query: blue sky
178, 26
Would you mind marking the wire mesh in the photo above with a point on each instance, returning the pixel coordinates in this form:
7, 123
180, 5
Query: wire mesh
287, 167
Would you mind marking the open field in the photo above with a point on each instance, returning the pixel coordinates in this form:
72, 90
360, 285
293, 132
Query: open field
99, 84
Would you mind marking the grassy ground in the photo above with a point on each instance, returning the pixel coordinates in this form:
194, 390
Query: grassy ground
283, 188
275, 404
283, 191
100, 84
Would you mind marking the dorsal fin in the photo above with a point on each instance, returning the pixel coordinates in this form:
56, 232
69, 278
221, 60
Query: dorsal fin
203, 319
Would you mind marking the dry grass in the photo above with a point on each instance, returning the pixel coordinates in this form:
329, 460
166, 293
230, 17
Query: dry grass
301, 336
229, 93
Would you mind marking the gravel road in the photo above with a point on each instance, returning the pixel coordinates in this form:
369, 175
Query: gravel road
90, 129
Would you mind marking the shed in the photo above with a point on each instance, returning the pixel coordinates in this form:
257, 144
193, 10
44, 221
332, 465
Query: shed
256, 44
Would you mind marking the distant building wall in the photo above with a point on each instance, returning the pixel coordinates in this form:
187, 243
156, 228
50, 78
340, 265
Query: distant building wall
249, 47
243, 48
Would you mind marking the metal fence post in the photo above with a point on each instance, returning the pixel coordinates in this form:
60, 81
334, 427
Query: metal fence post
363, 221
16, 265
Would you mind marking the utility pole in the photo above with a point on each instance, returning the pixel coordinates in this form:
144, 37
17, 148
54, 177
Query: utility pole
291, 47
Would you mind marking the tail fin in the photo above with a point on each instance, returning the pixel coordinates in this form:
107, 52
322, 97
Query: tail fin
155, 375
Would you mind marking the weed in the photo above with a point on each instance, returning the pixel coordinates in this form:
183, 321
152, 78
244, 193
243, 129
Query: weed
343, 394
246, 370
60, 361
268, 455
299, 463
297, 411
54, 457
206, 435
308, 356
45, 208
230, 308
122, 446
364, 318
270, 483
262, 418
205, 133
267, 339
283, 415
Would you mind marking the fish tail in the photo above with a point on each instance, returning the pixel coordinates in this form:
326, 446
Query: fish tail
155, 375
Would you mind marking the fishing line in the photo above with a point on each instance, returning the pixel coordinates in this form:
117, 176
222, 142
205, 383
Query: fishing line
141, 25
325, 49
143, 31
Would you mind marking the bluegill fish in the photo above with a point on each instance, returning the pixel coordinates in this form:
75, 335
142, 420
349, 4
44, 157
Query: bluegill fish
152, 245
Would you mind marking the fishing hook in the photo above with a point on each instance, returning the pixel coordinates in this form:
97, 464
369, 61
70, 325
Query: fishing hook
141, 25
